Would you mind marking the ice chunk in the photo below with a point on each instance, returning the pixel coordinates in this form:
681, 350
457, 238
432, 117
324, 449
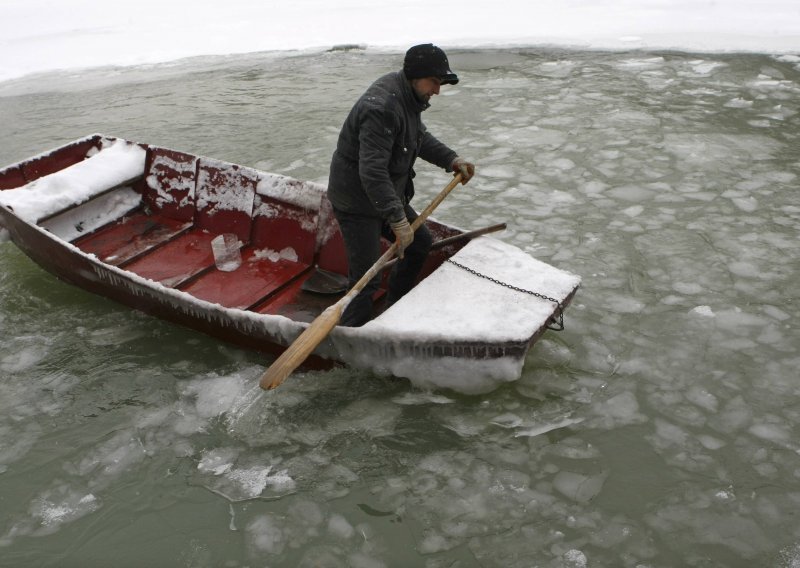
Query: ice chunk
15, 443
710, 442
624, 304
742, 535
248, 483
772, 432
465, 425
53, 508
790, 556
735, 319
739, 103
776, 313
266, 534
746, 204
287, 253
363, 560
592, 188
339, 527
563, 164
26, 357
416, 398
214, 396
688, 287
74, 507
370, 416
640, 62
574, 559
574, 448
434, 542
704, 311
703, 67
702, 398
109, 459
668, 434
578, 486
745, 269
218, 460
633, 211
617, 411
507, 420
544, 428
734, 416
115, 335
631, 193
306, 513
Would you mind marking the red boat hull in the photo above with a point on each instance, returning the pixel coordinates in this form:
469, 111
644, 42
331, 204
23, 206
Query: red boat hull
144, 240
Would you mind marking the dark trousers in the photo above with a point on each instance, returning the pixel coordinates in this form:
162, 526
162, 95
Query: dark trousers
362, 241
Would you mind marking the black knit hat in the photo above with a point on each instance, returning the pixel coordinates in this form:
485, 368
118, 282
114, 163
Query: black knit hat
427, 60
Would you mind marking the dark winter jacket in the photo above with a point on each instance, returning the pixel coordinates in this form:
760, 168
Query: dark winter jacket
372, 167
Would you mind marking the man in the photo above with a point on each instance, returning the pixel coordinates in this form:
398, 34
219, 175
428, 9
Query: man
372, 171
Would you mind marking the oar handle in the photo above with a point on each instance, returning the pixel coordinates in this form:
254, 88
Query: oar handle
319, 329
458, 238
436, 201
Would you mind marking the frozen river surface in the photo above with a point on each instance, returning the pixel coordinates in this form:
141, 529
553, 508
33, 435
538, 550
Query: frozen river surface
659, 430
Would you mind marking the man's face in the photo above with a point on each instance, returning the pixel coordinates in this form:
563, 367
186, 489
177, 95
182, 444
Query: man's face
426, 87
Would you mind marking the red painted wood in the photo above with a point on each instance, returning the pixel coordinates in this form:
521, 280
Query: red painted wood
12, 177
137, 233
169, 183
278, 225
59, 159
177, 260
224, 198
295, 304
332, 256
254, 280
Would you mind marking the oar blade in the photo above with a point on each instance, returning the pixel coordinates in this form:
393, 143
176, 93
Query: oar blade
301, 348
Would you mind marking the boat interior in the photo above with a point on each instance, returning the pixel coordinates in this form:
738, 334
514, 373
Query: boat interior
185, 202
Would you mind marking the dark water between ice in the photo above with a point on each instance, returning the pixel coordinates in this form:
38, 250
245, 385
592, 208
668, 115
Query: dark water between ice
659, 430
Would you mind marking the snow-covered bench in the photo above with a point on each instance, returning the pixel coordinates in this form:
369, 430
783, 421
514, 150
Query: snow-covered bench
117, 164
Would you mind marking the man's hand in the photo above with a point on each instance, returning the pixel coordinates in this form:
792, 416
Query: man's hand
404, 236
463, 167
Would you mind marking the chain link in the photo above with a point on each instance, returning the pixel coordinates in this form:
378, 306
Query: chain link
556, 322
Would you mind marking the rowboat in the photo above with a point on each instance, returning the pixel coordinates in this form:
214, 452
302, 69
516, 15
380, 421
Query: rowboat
139, 224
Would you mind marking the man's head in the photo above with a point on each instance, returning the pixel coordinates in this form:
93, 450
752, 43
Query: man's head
427, 68
427, 60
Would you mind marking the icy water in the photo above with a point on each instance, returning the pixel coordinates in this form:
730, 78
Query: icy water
660, 429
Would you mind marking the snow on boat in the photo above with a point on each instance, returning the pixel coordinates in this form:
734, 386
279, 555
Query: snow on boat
135, 223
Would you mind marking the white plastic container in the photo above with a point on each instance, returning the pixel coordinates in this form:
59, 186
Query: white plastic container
227, 256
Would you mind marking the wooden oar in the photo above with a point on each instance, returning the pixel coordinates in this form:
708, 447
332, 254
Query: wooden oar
319, 329
326, 282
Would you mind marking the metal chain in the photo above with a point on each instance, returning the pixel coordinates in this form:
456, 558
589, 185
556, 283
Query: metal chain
556, 321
